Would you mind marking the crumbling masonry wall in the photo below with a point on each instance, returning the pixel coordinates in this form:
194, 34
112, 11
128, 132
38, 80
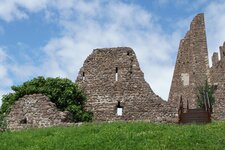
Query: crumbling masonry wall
35, 111
217, 71
217, 78
112, 77
192, 68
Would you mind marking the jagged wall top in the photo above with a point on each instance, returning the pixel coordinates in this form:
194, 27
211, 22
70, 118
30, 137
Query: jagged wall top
198, 22
215, 57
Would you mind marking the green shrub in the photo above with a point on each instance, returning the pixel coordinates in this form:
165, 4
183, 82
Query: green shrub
2, 123
63, 92
205, 92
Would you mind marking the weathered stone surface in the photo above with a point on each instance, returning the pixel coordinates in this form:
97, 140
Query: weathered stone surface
217, 71
192, 66
217, 78
111, 76
219, 107
35, 111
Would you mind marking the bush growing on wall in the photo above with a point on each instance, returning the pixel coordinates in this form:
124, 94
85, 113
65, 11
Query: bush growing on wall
206, 93
63, 92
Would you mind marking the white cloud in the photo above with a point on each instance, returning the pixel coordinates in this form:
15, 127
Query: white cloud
24, 71
215, 22
182, 3
11, 10
2, 55
61, 57
32, 6
114, 24
87, 25
4, 78
3, 92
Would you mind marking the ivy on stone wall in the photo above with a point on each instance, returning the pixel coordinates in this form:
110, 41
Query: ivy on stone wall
63, 92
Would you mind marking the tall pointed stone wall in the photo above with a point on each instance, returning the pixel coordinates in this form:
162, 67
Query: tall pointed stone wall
192, 66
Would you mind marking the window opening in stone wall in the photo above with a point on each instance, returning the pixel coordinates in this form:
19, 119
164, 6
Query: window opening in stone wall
83, 76
23, 121
119, 109
215, 86
116, 73
223, 53
185, 79
131, 67
128, 53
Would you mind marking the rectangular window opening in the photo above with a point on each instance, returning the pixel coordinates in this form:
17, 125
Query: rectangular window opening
83, 76
119, 110
23, 121
116, 73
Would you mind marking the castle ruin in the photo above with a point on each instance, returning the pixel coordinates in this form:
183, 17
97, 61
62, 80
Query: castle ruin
116, 88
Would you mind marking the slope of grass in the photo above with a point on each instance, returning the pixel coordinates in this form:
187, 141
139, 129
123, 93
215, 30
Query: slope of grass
118, 135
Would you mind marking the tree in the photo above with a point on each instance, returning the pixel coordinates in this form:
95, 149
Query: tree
206, 96
63, 92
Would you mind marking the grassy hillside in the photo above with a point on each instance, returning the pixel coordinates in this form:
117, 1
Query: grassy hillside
118, 135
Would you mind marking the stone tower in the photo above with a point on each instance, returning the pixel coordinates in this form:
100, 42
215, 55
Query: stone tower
192, 66
116, 88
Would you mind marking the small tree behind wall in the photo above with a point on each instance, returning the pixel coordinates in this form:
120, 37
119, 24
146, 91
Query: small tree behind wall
205, 96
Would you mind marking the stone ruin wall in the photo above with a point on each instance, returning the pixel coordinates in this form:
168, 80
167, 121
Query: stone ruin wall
35, 111
217, 78
112, 76
191, 69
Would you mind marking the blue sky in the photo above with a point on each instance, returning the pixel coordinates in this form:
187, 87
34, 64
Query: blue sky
53, 37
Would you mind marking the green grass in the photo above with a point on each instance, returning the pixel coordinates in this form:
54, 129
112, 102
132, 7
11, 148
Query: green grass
118, 135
